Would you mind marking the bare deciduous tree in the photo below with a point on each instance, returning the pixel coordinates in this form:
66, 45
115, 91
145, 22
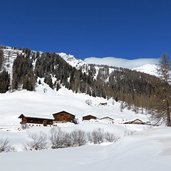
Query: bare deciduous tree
163, 106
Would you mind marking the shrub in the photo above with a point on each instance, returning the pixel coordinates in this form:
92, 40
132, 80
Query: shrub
88, 102
60, 139
57, 138
97, 136
67, 140
109, 137
78, 137
38, 142
5, 146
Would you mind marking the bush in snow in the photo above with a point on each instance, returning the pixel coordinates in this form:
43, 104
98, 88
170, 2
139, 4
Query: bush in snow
38, 142
96, 137
60, 139
89, 102
57, 138
67, 140
5, 146
109, 137
99, 136
78, 137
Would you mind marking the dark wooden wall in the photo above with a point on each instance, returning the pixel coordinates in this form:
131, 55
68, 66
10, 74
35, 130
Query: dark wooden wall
88, 117
64, 117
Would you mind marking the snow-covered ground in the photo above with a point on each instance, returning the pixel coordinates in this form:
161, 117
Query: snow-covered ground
143, 151
140, 147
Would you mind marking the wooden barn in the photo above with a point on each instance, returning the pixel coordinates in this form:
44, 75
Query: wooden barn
63, 116
89, 117
135, 121
35, 120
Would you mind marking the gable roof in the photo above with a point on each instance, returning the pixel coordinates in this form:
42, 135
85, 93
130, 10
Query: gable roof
63, 112
107, 117
90, 115
138, 121
35, 117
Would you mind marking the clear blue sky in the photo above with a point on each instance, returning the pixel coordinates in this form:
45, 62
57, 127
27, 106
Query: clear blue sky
84, 28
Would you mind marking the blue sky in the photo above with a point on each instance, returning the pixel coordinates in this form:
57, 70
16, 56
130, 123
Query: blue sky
121, 28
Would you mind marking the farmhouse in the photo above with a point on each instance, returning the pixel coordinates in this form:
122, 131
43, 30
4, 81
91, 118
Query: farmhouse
89, 117
135, 121
35, 120
63, 116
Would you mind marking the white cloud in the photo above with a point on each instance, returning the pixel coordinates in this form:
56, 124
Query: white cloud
120, 62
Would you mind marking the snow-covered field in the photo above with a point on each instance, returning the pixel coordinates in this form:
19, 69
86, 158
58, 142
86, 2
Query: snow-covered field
140, 147
143, 151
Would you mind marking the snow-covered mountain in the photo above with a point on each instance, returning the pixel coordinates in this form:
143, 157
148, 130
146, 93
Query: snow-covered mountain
26, 69
145, 65
70, 59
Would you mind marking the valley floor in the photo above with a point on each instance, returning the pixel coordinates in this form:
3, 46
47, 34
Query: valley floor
140, 147
145, 150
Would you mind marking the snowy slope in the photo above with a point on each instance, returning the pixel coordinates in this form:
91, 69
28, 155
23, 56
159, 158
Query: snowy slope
71, 60
148, 69
9, 56
144, 151
45, 101
146, 65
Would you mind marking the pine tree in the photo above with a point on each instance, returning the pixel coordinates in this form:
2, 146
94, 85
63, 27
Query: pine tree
4, 81
1, 58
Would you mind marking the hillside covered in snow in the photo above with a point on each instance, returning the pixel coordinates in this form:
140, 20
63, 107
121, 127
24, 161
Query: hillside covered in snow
26, 69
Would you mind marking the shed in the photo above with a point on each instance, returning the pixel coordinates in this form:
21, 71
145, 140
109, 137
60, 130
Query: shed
63, 116
35, 120
135, 121
89, 117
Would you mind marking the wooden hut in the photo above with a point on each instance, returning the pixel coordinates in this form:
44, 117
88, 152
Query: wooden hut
135, 121
35, 120
89, 117
63, 116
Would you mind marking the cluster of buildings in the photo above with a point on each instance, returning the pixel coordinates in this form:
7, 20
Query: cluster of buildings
64, 116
